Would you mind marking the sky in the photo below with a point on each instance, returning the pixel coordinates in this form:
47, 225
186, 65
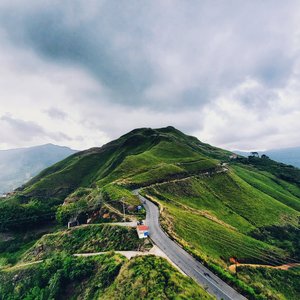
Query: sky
80, 73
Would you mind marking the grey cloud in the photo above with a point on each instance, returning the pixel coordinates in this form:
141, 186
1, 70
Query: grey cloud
55, 113
91, 44
26, 130
128, 46
23, 129
155, 63
239, 137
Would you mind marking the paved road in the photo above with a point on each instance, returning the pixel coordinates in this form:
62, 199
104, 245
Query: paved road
213, 284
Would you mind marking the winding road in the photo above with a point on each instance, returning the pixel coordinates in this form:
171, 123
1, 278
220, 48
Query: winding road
189, 265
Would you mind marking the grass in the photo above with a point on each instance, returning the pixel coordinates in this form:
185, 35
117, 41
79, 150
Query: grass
216, 243
164, 160
285, 172
229, 198
86, 239
108, 276
13, 252
244, 212
272, 284
13, 245
115, 192
270, 185
150, 277
196, 194
62, 277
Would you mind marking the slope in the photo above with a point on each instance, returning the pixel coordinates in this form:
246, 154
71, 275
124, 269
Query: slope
108, 276
217, 208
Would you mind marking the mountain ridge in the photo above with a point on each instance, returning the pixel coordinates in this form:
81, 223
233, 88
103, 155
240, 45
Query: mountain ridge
250, 211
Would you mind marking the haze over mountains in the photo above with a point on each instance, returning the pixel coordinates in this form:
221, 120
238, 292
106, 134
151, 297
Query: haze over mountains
19, 165
289, 156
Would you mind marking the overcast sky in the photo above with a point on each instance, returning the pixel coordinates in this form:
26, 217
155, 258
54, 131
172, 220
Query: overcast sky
80, 73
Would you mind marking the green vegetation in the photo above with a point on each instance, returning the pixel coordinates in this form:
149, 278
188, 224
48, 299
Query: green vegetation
269, 184
115, 192
138, 158
231, 217
106, 276
150, 277
12, 250
62, 277
272, 284
217, 208
285, 172
286, 237
86, 239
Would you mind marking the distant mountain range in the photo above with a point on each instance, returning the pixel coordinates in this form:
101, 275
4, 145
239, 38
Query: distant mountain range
19, 165
289, 156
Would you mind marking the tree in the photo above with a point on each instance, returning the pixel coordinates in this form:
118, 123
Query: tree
255, 154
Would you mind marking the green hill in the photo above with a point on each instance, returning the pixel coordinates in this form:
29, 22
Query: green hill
108, 276
220, 209
86, 239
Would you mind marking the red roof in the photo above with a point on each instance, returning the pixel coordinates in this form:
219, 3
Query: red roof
142, 227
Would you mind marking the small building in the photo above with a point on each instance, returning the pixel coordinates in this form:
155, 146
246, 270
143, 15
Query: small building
73, 223
143, 231
233, 156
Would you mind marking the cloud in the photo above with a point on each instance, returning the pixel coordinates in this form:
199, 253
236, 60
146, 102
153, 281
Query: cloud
91, 70
55, 113
253, 117
143, 58
22, 130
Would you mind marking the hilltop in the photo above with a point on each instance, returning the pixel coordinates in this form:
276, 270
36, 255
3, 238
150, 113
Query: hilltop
219, 208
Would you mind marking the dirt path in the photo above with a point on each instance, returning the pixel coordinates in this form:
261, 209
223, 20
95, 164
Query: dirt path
285, 267
23, 265
126, 224
203, 174
129, 254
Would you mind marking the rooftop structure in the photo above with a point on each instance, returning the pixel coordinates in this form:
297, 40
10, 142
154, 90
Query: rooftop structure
143, 231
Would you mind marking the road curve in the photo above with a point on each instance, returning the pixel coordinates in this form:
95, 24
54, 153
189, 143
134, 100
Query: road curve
189, 265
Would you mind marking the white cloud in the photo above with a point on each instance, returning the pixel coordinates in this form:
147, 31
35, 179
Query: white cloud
79, 73
265, 120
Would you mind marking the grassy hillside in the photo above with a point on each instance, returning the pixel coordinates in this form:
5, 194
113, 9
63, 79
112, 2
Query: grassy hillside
103, 277
152, 278
271, 283
240, 213
219, 209
87, 239
138, 158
